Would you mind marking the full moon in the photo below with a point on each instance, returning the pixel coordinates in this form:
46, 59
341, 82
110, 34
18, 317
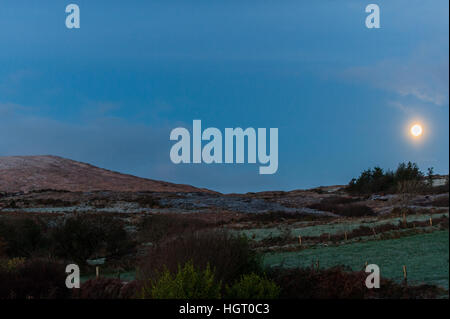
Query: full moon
416, 130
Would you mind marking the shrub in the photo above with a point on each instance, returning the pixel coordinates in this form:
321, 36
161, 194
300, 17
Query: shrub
80, 237
75, 239
187, 283
355, 210
439, 189
22, 236
343, 207
410, 187
341, 283
280, 216
444, 223
35, 279
131, 289
105, 288
8, 265
154, 228
230, 256
253, 286
440, 202
3, 245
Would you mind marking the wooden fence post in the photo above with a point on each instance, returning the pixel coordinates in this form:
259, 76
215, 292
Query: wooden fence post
405, 274
97, 271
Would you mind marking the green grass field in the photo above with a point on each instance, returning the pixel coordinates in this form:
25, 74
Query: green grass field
425, 255
332, 228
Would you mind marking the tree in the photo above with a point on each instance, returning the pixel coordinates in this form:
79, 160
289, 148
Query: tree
430, 176
377, 180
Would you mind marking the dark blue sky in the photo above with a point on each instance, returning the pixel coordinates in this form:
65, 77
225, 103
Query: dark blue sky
341, 95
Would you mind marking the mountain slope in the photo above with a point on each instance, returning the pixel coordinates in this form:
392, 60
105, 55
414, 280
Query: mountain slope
26, 173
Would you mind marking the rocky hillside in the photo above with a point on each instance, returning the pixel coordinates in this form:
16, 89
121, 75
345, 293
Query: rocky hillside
26, 173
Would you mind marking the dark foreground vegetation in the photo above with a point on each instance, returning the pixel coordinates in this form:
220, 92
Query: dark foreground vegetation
190, 263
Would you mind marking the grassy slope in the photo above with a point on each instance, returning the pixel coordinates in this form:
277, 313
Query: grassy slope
332, 227
426, 257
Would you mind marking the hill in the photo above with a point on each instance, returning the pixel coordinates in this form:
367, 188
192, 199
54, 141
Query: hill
27, 173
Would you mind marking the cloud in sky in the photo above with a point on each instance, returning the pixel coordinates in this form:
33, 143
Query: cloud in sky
115, 144
102, 137
8, 109
423, 79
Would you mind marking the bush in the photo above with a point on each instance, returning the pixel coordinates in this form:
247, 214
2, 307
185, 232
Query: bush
9, 265
230, 256
440, 202
280, 216
355, 210
21, 237
187, 283
154, 228
439, 189
342, 283
253, 287
3, 245
80, 237
105, 288
343, 206
35, 279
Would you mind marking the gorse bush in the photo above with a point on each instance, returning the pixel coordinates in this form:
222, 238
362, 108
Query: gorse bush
230, 256
187, 283
377, 180
253, 286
